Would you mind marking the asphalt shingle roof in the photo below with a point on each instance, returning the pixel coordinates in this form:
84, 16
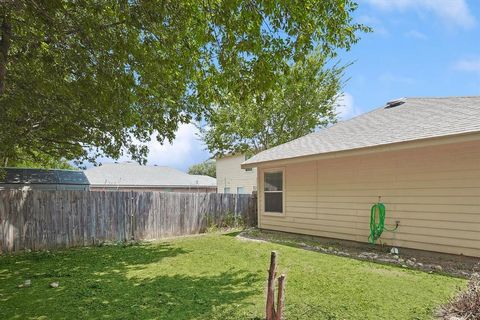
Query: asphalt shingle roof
133, 174
415, 119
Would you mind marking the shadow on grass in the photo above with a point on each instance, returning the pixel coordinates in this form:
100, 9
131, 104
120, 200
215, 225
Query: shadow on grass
118, 283
232, 234
197, 297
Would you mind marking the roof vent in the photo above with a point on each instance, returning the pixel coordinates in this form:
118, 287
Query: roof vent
395, 103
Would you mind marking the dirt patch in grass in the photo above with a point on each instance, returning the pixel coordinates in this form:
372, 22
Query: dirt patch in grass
455, 265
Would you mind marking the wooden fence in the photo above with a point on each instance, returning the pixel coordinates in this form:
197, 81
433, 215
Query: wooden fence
39, 220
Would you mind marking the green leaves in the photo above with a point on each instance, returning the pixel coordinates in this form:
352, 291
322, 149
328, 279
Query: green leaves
301, 100
207, 168
90, 78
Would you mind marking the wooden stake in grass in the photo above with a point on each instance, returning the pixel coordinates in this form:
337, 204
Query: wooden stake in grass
280, 297
271, 313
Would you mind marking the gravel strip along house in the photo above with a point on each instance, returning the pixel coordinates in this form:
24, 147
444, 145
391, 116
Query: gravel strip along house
420, 157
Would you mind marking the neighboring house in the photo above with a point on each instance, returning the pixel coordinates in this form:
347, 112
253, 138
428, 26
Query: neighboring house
42, 179
129, 176
419, 156
231, 178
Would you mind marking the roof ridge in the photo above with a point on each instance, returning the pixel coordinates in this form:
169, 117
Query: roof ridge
342, 122
406, 99
444, 97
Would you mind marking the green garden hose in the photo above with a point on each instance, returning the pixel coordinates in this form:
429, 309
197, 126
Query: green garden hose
377, 228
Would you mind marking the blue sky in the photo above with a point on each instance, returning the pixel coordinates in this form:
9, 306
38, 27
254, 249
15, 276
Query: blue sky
418, 48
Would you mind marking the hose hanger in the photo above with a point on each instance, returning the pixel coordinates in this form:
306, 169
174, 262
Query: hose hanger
377, 226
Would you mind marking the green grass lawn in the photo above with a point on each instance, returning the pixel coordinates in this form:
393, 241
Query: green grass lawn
213, 276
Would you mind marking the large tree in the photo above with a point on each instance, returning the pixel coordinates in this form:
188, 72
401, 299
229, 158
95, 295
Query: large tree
79, 78
302, 99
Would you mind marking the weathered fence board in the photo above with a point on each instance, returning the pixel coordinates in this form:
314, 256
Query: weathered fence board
37, 219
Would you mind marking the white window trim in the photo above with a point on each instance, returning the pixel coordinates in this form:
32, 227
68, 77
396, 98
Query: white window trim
271, 170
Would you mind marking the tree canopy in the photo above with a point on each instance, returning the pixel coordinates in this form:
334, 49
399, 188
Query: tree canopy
82, 79
207, 168
301, 100
36, 160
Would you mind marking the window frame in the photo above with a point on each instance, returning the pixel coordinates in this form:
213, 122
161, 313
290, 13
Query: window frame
274, 170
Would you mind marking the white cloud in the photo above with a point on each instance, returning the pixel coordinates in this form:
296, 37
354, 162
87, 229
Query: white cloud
416, 35
377, 25
181, 150
185, 150
346, 107
468, 64
452, 12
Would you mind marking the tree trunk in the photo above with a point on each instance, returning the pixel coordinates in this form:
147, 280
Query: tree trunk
270, 308
6, 33
280, 297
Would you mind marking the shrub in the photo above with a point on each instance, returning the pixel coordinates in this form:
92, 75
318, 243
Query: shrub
233, 221
466, 305
211, 225
229, 221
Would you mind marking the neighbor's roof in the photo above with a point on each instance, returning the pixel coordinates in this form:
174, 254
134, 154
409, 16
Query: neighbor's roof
414, 119
133, 174
42, 176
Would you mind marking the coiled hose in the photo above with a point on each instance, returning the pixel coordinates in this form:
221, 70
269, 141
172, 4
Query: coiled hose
377, 228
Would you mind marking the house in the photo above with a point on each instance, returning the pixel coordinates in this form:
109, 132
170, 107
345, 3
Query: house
231, 178
128, 176
418, 156
42, 179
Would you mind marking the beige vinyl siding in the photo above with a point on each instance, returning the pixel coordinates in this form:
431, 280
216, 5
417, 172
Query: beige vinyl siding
231, 175
434, 192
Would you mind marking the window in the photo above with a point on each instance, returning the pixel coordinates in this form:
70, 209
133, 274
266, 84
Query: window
226, 190
240, 190
273, 191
